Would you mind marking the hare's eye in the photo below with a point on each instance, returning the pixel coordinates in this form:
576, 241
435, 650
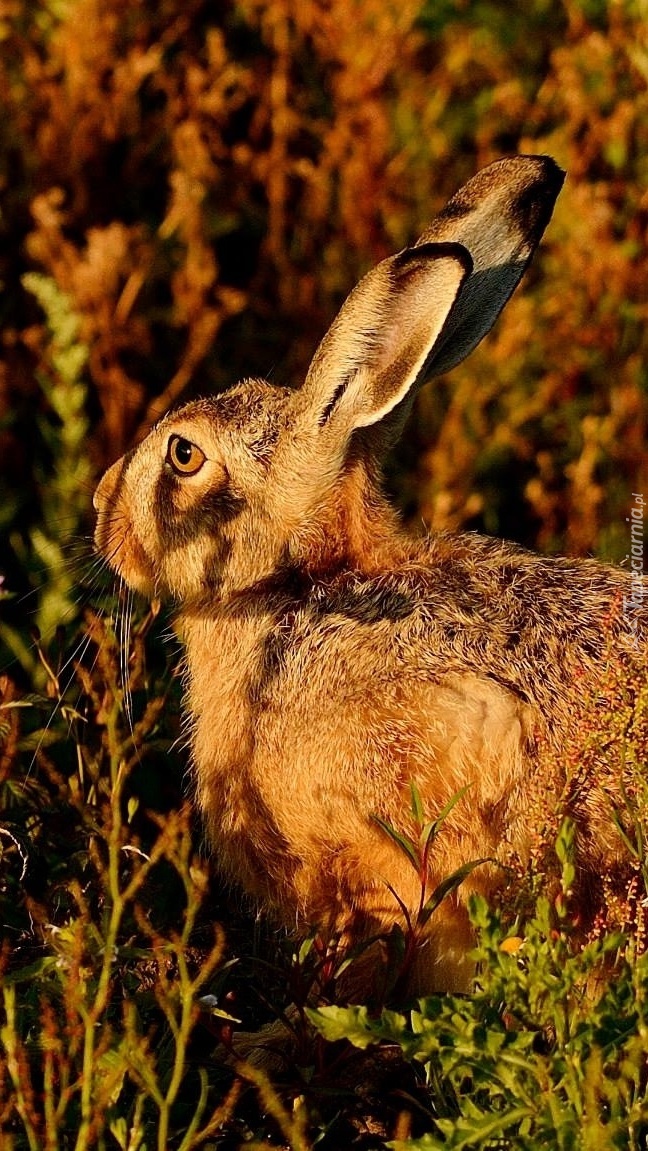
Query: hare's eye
184, 457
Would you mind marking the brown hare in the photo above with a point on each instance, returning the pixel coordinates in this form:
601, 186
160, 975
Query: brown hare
331, 657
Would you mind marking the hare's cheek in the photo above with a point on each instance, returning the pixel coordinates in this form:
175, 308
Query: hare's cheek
135, 566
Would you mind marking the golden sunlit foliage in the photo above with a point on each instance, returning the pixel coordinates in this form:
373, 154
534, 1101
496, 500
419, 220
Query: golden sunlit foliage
188, 190
205, 184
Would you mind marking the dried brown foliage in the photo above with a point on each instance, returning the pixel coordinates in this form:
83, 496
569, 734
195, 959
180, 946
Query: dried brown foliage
206, 184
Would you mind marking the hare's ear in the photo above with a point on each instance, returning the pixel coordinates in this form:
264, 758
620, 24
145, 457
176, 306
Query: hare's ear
499, 216
378, 345
419, 313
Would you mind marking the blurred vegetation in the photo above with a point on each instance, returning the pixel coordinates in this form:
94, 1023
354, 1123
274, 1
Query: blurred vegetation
187, 193
206, 184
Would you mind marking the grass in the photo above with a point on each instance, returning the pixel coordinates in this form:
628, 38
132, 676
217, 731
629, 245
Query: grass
126, 971
125, 966
213, 187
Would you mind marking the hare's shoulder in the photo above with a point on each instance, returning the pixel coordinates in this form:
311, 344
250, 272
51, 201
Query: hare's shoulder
454, 606
471, 580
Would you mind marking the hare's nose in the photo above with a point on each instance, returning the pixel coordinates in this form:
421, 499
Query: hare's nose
98, 498
107, 486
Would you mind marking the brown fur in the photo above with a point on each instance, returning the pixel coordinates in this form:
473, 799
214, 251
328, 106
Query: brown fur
332, 658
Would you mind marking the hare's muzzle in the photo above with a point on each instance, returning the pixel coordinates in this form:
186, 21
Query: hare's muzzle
106, 488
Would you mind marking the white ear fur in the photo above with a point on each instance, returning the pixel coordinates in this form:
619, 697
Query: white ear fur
379, 344
422, 311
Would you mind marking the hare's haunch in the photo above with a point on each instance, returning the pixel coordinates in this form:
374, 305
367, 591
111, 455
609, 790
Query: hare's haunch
332, 658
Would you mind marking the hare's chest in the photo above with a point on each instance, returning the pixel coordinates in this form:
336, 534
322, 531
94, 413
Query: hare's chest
217, 705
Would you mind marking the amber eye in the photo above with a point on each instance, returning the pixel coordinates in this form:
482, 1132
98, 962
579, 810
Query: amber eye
184, 457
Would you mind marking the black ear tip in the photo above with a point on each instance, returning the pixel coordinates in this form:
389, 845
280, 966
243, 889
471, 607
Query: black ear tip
525, 187
537, 193
545, 165
538, 170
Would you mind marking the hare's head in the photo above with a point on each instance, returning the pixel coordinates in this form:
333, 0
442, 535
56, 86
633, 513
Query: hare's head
178, 511
226, 489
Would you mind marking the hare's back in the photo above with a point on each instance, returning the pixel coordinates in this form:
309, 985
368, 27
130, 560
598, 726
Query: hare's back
460, 605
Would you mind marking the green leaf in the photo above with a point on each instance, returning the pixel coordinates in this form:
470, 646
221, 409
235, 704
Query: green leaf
447, 886
405, 844
352, 1023
464, 1133
565, 841
426, 1142
417, 802
119, 1131
32, 971
631, 846
305, 949
445, 811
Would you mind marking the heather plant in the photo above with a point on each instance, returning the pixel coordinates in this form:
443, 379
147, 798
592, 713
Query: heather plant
549, 1050
63, 1005
110, 966
114, 967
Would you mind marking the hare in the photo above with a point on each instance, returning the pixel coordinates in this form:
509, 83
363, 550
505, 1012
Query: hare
332, 658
